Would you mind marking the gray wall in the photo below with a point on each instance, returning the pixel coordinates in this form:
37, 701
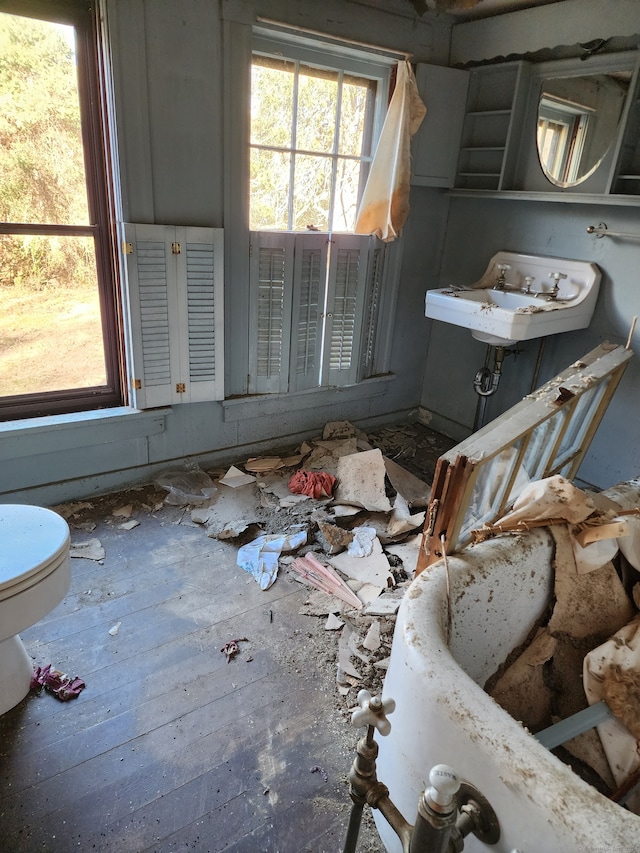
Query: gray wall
169, 91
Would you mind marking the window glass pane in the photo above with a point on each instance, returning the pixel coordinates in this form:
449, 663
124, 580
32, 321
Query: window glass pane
269, 189
271, 102
317, 105
42, 177
311, 193
50, 325
356, 108
345, 205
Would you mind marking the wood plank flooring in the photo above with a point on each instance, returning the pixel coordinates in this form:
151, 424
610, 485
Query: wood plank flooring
170, 747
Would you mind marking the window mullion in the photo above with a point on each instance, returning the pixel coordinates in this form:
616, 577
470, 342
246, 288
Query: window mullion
336, 148
294, 142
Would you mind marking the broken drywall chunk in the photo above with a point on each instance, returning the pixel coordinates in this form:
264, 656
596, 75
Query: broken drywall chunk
67, 511
90, 550
129, 525
333, 623
233, 511
235, 478
402, 520
372, 640
414, 490
277, 485
361, 481
372, 569
338, 430
388, 603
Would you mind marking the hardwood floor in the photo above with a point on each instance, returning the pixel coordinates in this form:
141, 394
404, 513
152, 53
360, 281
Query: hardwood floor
170, 747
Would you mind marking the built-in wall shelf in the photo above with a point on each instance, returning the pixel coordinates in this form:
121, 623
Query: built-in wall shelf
490, 130
505, 115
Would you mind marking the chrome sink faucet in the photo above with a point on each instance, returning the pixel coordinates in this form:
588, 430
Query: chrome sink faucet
501, 281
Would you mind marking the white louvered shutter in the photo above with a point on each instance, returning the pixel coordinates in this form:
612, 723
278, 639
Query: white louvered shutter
175, 295
310, 275
200, 268
347, 286
371, 316
271, 291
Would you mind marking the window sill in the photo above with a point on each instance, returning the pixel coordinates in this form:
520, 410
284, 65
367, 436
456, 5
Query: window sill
260, 405
79, 429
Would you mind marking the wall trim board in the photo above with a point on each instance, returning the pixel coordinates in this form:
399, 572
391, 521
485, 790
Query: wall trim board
529, 30
59, 433
263, 405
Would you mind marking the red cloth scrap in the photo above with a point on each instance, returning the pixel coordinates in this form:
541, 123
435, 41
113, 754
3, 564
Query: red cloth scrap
315, 484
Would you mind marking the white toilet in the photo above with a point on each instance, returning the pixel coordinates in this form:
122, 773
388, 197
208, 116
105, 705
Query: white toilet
35, 574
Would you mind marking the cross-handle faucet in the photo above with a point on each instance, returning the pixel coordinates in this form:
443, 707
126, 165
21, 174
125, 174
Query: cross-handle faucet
502, 276
556, 276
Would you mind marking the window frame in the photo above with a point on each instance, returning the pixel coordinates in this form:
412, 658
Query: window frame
377, 294
85, 17
336, 58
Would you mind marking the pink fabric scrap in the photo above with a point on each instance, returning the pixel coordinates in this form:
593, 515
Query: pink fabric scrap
315, 484
63, 687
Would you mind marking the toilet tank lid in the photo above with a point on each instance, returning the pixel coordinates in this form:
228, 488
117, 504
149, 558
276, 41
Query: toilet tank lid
30, 538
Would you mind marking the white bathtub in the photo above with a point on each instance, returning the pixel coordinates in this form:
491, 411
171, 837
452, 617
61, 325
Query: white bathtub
443, 715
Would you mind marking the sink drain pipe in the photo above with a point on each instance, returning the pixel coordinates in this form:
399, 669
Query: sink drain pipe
486, 382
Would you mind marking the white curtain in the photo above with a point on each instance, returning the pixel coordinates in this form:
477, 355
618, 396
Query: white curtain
385, 203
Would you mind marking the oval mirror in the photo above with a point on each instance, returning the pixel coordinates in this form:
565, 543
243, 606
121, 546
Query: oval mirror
578, 120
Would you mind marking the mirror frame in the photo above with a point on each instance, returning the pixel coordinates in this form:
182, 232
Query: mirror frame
530, 174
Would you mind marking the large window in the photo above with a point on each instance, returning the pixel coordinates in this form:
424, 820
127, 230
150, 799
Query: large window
316, 114
59, 340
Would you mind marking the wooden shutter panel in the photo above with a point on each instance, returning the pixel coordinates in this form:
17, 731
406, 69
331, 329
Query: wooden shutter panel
201, 267
310, 274
175, 295
149, 296
270, 309
371, 317
345, 303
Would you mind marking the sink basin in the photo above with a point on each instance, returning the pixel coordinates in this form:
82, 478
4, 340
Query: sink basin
502, 317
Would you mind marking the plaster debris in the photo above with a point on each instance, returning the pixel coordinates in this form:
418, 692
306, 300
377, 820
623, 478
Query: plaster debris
114, 629
371, 569
123, 511
414, 490
90, 550
361, 481
333, 623
372, 639
69, 510
235, 478
129, 525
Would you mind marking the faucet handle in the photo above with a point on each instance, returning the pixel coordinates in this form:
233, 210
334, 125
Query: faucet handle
556, 276
528, 280
372, 712
444, 784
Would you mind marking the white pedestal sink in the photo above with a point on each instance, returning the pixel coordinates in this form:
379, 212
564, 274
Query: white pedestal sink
525, 307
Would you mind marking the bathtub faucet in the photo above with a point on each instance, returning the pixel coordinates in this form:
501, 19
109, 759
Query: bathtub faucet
448, 810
